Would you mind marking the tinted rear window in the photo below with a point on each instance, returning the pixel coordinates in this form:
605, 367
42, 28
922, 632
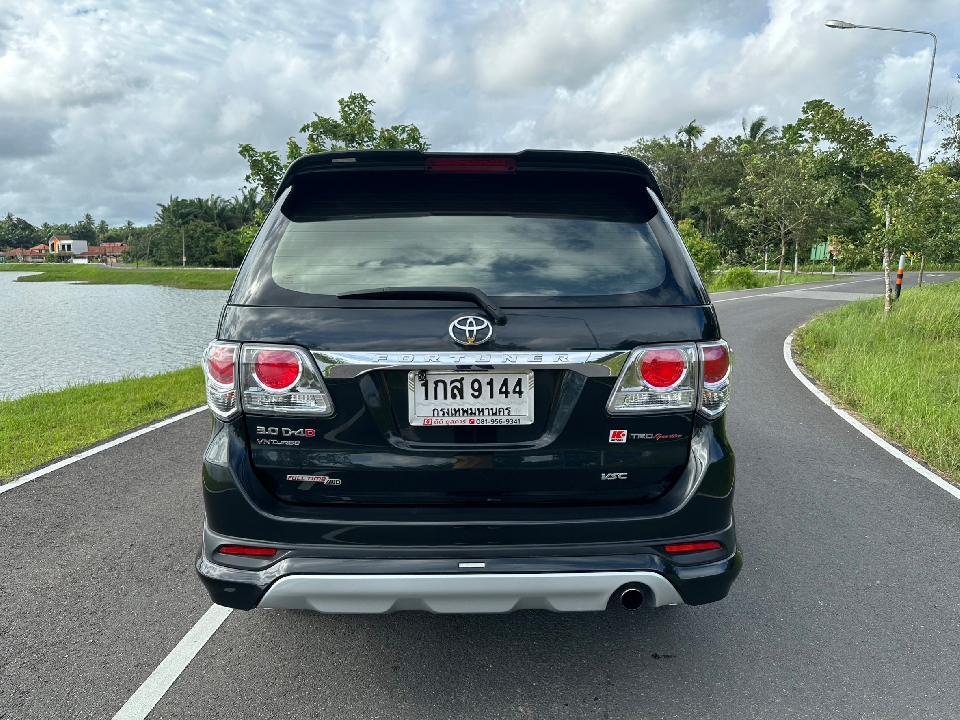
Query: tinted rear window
499, 254
534, 239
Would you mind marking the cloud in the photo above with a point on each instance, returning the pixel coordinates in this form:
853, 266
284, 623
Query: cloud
110, 108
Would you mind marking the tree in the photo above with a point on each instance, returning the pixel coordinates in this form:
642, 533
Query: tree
949, 151
925, 215
177, 214
781, 198
705, 254
85, 230
15, 232
355, 129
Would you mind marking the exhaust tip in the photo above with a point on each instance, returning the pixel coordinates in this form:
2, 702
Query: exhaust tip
631, 598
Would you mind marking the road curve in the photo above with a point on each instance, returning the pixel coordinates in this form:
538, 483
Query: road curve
848, 605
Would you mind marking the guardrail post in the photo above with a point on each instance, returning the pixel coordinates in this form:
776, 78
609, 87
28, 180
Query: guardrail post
900, 269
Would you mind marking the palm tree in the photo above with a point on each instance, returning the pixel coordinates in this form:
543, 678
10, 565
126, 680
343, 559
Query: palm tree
177, 214
216, 211
691, 132
758, 131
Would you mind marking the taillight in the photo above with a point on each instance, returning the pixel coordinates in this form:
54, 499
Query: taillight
221, 360
277, 370
674, 377
716, 362
220, 374
248, 550
282, 380
655, 379
699, 546
472, 165
662, 369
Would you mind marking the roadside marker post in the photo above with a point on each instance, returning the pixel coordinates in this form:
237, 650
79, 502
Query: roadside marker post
900, 269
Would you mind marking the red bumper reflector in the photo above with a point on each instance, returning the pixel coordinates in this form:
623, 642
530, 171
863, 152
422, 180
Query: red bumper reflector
246, 550
693, 546
470, 165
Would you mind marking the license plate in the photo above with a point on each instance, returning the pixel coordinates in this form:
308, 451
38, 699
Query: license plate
441, 397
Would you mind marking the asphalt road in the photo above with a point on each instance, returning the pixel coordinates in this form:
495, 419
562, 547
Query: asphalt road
848, 605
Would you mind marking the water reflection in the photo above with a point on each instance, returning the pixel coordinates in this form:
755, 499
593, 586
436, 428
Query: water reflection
57, 334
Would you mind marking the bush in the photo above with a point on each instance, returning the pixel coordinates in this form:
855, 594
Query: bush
738, 278
706, 255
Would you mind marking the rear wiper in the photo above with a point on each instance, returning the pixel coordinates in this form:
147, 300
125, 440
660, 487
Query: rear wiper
430, 293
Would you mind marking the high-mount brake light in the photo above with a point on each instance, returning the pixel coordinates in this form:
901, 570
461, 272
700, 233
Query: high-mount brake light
220, 376
474, 165
277, 370
282, 380
662, 369
248, 550
716, 361
692, 547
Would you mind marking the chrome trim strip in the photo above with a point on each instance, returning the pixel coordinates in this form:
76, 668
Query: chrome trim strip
466, 592
604, 363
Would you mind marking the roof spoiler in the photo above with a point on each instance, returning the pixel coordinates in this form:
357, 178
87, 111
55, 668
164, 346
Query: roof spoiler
525, 161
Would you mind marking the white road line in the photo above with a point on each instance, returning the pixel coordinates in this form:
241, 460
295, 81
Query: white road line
154, 687
867, 432
791, 288
98, 449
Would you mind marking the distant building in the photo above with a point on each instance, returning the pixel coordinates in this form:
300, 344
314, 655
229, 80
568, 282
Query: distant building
104, 253
36, 254
65, 247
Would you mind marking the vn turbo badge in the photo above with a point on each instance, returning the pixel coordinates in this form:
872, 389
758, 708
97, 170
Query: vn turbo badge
471, 330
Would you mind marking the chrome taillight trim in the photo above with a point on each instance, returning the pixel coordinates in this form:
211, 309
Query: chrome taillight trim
720, 386
309, 383
687, 387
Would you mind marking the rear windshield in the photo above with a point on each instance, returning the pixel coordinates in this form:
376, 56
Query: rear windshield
542, 239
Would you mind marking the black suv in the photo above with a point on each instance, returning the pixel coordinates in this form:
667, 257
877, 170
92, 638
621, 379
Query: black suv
467, 383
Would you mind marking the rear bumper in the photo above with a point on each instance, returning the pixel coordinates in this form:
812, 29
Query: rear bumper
299, 583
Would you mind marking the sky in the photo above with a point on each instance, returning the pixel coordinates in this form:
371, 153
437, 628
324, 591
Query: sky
111, 107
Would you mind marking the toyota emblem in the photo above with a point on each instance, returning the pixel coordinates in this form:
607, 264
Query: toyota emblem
471, 330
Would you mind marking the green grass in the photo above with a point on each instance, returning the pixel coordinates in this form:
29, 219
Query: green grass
734, 280
186, 278
42, 427
901, 372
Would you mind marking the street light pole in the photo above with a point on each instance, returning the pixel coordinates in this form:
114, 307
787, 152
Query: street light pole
841, 25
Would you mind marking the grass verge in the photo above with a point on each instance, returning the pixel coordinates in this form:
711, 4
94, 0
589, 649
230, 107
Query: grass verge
186, 278
901, 372
745, 279
38, 428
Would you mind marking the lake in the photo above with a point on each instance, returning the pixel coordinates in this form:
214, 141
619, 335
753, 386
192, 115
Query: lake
56, 334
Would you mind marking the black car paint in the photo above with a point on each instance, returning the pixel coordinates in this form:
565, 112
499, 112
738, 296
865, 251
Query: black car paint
692, 499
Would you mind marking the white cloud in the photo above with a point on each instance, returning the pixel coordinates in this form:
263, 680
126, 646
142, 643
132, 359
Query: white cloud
112, 108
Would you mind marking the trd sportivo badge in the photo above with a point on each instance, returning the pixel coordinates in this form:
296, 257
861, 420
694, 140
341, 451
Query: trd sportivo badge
471, 330
620, 436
